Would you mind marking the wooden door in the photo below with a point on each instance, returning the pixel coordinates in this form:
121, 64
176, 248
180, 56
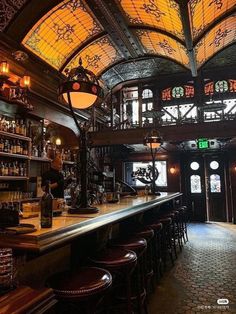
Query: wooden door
215, 187
204, 187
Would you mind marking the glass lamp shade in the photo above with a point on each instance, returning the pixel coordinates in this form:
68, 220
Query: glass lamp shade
153, 142
80, 100
82, 94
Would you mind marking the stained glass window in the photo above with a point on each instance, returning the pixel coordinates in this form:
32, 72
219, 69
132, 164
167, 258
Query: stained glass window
195, 184
147, 93
214, 165
221, 86
177, 92
215, 183
194, 165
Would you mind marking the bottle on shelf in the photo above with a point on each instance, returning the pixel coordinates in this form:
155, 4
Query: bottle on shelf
46, 207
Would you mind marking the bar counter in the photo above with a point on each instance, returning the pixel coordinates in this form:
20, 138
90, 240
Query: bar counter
67, 227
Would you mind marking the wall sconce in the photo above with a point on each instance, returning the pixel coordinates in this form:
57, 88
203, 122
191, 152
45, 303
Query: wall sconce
58, 141
26, 81
4, 69
172, 170
15, 91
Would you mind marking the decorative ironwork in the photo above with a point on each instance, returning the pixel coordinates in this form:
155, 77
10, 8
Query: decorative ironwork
8, 9
64, 32
73, 5
219, 37
152, 8
166, 46
145, 175
217, 3
92, 61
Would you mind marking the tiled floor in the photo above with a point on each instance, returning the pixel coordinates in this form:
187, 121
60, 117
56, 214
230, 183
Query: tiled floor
204, 272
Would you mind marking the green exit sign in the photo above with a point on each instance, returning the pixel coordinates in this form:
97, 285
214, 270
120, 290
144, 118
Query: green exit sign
202, 143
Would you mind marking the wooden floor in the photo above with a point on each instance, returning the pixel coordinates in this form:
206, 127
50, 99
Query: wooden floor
204, 272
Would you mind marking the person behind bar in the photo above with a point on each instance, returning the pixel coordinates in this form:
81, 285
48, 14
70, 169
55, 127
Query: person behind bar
55, 176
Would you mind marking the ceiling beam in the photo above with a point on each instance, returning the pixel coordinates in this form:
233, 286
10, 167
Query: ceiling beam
188, 37
109, 15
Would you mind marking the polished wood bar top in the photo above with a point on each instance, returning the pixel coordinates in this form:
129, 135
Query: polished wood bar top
69, 226
27, 300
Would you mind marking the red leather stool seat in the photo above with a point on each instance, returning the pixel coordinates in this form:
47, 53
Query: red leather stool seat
165, 220
121, 263
82, 284
149, 235
138, 291
136, 244
116, 258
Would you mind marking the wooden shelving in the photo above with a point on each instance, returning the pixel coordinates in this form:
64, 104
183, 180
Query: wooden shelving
41, 159
67, 162
2, 154
12, 178
15, 136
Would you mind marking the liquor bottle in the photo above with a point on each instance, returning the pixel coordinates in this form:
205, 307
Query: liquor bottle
46, 207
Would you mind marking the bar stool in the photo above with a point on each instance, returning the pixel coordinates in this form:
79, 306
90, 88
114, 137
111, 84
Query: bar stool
178, 231
138, 291
121, 263
148, 234
157, 249
183, 210
166, 240
173, 231
80, 290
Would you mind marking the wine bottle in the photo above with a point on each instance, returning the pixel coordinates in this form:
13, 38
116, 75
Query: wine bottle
46, 207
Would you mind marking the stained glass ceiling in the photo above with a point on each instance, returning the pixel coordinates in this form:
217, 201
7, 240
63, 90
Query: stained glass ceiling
61, 31
160, 14
76, 28
203, 13
216, 39
163, 45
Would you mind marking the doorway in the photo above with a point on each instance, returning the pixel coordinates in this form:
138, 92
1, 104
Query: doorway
205, 187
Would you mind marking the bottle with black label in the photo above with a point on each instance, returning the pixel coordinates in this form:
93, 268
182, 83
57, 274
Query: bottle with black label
46, 207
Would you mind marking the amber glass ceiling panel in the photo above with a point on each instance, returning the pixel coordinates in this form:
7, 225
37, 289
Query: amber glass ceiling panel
58, 33
218, 38
96, 56
204, 12
159, 44
162, 14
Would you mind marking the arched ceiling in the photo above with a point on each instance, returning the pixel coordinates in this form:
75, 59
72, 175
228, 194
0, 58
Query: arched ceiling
122, 40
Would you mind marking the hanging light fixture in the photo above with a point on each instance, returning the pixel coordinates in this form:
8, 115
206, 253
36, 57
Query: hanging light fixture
81, 90
153, 141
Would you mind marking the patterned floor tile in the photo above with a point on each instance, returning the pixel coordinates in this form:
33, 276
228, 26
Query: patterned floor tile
204, 272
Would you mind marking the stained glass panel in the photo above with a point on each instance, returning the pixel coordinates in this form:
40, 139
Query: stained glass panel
96, 56
195, 184
216, 39
61, 31
204, 12
163, 45
161, 14
215, 184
